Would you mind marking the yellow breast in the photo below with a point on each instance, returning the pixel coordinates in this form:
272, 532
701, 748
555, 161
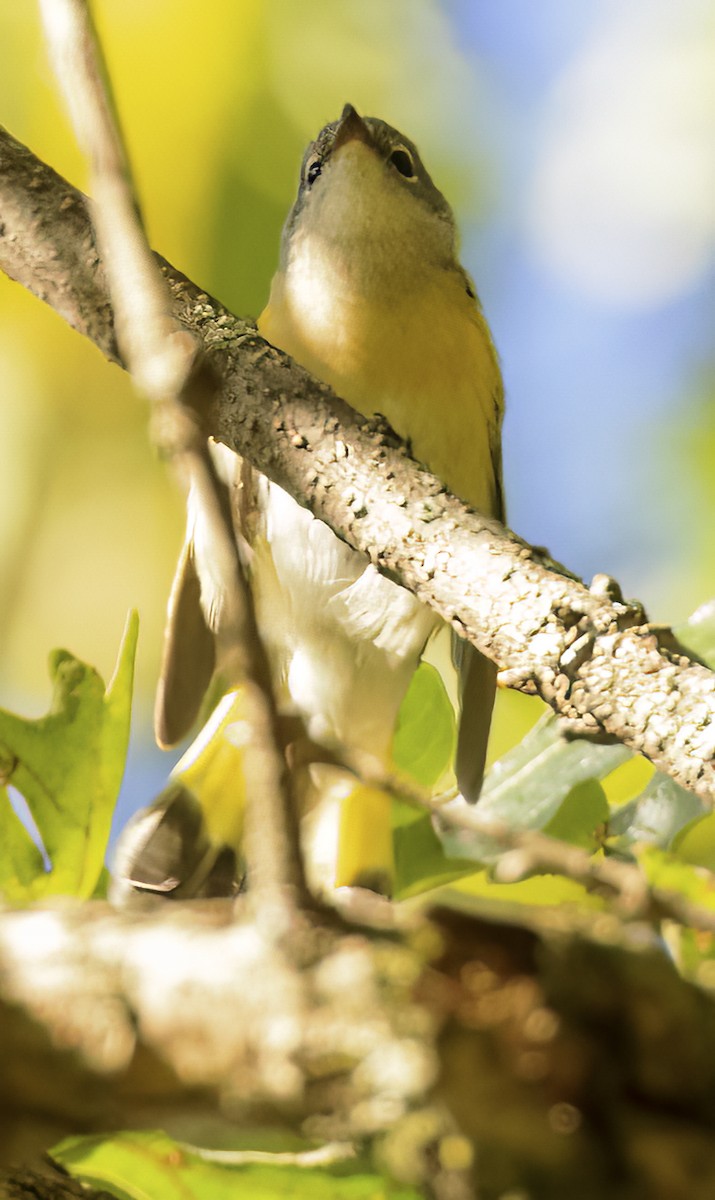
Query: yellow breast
422, 358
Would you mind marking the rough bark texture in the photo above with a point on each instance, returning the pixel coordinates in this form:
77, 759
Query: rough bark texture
51, 1183
591, 656
48, 243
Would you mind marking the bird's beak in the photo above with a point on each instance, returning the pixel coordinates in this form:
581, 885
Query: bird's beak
352, 128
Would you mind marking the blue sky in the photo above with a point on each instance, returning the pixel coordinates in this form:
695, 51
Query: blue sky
594, 381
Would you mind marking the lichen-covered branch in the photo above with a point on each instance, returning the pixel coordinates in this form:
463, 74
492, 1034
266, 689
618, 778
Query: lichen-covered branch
591, 656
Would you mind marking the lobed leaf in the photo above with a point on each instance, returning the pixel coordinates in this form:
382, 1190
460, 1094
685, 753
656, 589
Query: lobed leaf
140, 1165
68, 767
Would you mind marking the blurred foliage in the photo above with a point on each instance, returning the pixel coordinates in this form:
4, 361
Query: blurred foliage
691, 444
67, 767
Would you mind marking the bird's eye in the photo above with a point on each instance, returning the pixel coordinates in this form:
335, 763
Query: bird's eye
402, 160
312, 171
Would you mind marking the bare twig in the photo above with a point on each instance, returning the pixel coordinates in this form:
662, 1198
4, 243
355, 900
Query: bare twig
166, 362
529, 852
633, 897
158, 351
589, 654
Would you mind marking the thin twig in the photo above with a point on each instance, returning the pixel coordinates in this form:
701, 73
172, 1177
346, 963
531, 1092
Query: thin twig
158, 351
166, 362
530, 852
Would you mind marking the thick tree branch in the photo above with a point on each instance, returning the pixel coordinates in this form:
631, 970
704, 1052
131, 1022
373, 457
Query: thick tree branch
539, 1038
590, 655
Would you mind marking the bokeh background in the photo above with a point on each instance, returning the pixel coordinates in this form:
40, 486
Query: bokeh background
576, 142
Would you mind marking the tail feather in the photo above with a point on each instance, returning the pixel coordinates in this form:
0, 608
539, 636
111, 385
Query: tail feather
477, 677
166, 852
188, 659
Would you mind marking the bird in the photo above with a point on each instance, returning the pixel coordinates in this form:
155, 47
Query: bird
370, 297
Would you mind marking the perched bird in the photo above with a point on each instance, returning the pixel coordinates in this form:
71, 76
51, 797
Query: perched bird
370, 297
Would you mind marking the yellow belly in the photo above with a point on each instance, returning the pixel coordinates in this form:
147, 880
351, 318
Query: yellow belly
427, 365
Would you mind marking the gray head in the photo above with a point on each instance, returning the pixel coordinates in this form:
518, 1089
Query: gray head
403, 178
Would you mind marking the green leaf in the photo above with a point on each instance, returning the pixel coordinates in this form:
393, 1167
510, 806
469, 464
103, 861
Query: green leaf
584, 810
426, 736
664, 870
68, 767
420, 859
656, 816
698, 633
628, 781
695, 842
143, 1165
513, 716
541, 891
693, 953
20, 859
527, 787
693, 950
552, 783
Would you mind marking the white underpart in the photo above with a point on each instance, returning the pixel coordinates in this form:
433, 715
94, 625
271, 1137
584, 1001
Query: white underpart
346, 640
